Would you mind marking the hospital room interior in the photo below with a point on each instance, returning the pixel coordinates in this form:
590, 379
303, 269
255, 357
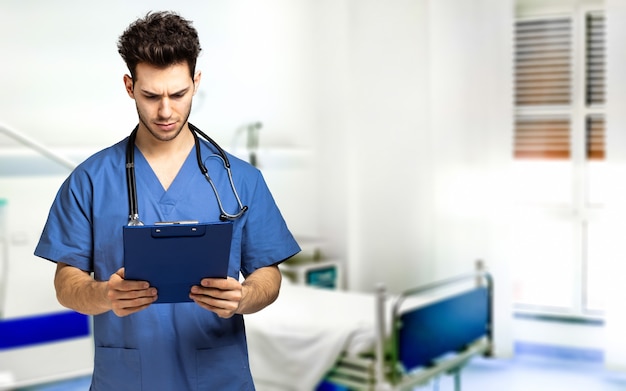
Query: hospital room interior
407, 143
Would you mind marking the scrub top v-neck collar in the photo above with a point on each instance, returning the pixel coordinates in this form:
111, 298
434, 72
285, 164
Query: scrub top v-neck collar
156, 193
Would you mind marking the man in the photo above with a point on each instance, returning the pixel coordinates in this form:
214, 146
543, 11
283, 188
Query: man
139, 344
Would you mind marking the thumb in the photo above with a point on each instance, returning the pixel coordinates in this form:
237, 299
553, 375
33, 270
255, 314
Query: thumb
120, 272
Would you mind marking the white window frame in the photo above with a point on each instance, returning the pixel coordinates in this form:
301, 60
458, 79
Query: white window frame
577, 111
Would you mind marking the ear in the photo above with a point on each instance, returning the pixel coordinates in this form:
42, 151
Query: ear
128, 83
196, 81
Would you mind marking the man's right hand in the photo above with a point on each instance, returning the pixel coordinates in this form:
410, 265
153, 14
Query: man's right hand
128, 296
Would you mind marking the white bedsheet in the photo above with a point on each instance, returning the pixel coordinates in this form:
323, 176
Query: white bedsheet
292, 346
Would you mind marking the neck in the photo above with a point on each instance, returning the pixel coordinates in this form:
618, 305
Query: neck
149, 145
165, 157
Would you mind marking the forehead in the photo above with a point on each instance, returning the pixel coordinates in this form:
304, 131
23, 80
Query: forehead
158, 79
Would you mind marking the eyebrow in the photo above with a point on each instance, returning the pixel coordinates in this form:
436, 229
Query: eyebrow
179, 92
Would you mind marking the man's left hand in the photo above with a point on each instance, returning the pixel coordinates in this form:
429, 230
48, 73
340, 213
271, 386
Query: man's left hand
219, 295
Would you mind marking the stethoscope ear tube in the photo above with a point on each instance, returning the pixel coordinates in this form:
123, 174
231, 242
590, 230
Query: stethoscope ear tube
133, 210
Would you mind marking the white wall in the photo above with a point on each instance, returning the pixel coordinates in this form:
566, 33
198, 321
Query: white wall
62, 75
415, 164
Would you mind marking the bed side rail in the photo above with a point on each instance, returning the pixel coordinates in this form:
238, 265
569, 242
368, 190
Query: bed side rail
449, 325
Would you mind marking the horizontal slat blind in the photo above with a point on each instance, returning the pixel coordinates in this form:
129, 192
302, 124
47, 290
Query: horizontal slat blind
595, 59
595, 137
542, 138
543, 62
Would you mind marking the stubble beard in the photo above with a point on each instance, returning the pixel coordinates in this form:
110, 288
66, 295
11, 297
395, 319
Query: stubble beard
155, 134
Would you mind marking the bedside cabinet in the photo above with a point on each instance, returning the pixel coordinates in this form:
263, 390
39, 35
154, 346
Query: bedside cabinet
322, 273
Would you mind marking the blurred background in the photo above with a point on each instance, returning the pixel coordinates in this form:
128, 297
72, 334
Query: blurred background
402, 140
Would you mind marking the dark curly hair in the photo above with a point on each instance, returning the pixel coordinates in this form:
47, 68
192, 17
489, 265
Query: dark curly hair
160, 39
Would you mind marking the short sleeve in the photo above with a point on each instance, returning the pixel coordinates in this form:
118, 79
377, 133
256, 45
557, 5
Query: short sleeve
67, 234
266, 237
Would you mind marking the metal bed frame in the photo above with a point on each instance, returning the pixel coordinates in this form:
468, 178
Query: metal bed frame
424, 343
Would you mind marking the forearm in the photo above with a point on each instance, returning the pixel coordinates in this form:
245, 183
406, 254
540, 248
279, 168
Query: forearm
259, 290
78, 291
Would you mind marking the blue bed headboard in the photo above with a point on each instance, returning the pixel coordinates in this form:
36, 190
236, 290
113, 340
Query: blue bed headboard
427, 333
443, 327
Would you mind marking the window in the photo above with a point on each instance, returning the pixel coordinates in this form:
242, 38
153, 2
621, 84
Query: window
559, 150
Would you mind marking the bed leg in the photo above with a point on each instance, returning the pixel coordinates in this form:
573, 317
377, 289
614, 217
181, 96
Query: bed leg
480, 268
457, 380
381, 335
436, 383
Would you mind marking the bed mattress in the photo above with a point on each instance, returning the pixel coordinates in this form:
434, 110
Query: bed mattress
295, 341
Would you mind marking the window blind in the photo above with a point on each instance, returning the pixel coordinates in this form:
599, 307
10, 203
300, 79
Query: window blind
544, 92
542, 62
595, 137
595, 85
537, 138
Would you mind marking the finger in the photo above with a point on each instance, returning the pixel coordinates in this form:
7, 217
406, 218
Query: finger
116, 284
127, 307
215, 297
118, 278
220, 283
133, 300
131, 285
222, 308
217, 293
131, 294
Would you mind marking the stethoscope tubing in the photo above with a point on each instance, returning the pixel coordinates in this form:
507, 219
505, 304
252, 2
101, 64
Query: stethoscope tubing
133, 214
133, 217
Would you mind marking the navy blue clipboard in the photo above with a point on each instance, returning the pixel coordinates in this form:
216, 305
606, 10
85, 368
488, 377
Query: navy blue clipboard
174, 257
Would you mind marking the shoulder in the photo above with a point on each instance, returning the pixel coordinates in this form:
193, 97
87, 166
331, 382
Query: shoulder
247, 176
113, 156
104, 163
237, 163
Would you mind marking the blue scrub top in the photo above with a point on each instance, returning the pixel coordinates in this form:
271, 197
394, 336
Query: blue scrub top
166, 346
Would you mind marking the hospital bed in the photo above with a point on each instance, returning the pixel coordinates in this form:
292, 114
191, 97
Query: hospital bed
313, 338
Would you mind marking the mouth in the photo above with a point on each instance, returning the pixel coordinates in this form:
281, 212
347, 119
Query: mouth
166, 126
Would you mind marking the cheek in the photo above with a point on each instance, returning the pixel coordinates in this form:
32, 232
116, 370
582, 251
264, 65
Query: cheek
144, 107
182, 106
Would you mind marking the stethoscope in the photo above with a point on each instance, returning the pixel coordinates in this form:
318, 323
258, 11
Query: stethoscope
133, 217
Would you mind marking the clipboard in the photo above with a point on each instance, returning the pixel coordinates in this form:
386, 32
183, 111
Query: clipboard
173, 257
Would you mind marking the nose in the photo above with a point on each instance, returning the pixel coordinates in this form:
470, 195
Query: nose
165, 109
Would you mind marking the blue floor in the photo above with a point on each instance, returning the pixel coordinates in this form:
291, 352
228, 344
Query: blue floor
527, 371
78, 384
